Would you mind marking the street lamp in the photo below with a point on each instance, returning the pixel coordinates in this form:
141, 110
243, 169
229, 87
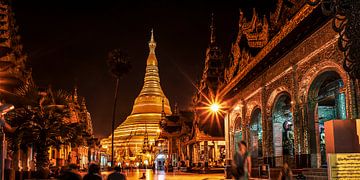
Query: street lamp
215, 107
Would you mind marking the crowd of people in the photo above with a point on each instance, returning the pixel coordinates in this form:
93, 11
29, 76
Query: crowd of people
72, 173
240, 169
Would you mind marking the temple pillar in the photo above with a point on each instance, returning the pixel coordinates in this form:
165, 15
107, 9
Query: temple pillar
352, 99
216, 150
302, 153
187, 159
267, 130
227, 135
206, 153
297, 119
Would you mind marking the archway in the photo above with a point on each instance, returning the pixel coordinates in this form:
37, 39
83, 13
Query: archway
326, 101
283, 133
256, 135
160, 161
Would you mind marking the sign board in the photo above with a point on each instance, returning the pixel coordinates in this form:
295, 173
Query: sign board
277, 138
344, 166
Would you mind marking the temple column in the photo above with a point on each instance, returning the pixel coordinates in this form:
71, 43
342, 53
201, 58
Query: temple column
227, 135
187, 155
170, 150
206, 153
296, 118
303, 150
352, 99
267, 130
216, 151
198, 151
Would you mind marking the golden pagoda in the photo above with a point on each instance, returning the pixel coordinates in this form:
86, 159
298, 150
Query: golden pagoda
143, 122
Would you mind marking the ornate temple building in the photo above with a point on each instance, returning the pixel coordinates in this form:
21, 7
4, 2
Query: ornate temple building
67, 154
14, 74
173, 139
284, 80
206, 141
13, 69
136, 135
82, 154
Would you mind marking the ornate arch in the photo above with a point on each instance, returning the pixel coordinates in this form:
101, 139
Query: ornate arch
251, 107
310, 75
237, 122
273, 97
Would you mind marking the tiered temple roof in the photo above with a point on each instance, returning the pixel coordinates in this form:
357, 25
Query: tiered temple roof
13, 70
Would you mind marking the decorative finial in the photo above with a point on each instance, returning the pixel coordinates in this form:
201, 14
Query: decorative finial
75, 94
176, 111
83, 104
152, 35
152, 43
212, 29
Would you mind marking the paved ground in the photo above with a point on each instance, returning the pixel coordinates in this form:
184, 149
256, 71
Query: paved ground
160, 175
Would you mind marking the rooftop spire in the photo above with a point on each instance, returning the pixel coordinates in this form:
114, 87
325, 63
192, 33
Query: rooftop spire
152, 45
75, 95
151, 95
212, 29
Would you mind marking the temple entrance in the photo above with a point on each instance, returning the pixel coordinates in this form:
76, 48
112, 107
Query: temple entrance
160, 162
326, 101
256, 136
283, 132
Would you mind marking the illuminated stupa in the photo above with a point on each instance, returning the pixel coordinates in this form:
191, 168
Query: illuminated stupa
148, 108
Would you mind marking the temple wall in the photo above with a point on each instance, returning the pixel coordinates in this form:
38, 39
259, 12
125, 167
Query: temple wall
292, 74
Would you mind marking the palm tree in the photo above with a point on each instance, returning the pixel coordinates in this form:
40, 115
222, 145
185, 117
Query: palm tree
119, 65
40, 118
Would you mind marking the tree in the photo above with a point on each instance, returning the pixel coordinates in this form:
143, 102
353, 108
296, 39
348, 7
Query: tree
40, 118
119, 65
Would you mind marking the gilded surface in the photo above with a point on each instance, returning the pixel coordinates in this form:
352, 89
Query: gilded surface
293, 74
13, 71
147, 111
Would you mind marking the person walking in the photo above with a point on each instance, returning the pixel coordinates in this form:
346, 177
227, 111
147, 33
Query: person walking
241, 165
116, 175
285, 173
71, 173
94, 173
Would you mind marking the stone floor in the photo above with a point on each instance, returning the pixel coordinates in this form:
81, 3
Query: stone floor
161, 175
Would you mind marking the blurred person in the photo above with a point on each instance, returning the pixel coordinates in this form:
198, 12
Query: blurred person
143, 176
285, 173
71, 173
241, 164
93, 173
116, 175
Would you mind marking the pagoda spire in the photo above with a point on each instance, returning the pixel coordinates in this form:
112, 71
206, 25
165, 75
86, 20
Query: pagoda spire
152, 44
152, 61
176, 110
75, 95
151, 90
212, 30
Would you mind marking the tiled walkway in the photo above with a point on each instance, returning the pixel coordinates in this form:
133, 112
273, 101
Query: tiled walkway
160, 175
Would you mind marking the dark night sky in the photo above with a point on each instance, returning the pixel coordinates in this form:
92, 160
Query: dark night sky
67, 44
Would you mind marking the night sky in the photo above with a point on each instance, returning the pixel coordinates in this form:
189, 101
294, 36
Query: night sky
67, 44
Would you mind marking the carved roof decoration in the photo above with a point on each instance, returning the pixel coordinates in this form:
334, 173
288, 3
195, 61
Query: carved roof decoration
13, 68
260, 35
